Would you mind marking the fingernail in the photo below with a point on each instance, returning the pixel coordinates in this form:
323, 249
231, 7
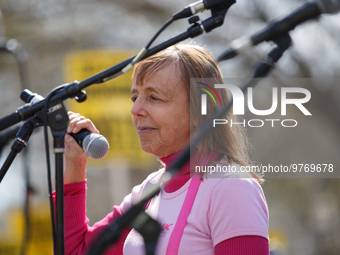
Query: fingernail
69, 129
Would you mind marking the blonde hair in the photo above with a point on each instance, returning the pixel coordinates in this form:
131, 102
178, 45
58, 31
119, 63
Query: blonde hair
193, 61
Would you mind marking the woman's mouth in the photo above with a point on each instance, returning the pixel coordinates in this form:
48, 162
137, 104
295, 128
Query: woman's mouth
145, 129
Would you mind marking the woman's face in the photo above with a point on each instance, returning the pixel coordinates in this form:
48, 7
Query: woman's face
161, 113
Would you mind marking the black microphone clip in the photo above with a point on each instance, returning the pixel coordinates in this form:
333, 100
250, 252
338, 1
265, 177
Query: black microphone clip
218, 9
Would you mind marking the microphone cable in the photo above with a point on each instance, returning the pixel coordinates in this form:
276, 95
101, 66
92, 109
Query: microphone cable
166, 24
141, 53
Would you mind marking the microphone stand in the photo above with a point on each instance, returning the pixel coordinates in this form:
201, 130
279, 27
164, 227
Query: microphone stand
57, 118
19, 143
111, 233
7, 135
149, 229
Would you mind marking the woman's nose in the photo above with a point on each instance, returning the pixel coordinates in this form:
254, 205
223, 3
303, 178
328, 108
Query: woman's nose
138, 108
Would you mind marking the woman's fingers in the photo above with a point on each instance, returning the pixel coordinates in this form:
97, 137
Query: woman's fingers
79, 122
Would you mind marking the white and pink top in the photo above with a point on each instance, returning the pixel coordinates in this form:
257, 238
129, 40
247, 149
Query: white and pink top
228, 216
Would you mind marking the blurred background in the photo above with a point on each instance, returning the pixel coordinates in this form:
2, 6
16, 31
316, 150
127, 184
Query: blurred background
61, 41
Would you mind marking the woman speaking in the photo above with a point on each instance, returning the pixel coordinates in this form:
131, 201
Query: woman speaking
201, 213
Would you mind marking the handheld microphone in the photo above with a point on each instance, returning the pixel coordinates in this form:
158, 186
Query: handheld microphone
197, 7
95, 145
306, 12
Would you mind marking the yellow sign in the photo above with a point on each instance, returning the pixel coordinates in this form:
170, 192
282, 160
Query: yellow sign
108, 104
39, 239
278, 241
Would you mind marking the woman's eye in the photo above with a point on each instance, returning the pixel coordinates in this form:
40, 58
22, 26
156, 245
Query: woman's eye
133, 98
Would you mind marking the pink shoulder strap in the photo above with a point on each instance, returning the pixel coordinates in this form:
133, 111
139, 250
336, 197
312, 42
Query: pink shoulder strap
177, 233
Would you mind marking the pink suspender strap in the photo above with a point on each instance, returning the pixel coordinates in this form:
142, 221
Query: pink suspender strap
177, 233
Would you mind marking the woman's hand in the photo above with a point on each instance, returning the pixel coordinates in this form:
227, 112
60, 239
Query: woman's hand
75, 157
